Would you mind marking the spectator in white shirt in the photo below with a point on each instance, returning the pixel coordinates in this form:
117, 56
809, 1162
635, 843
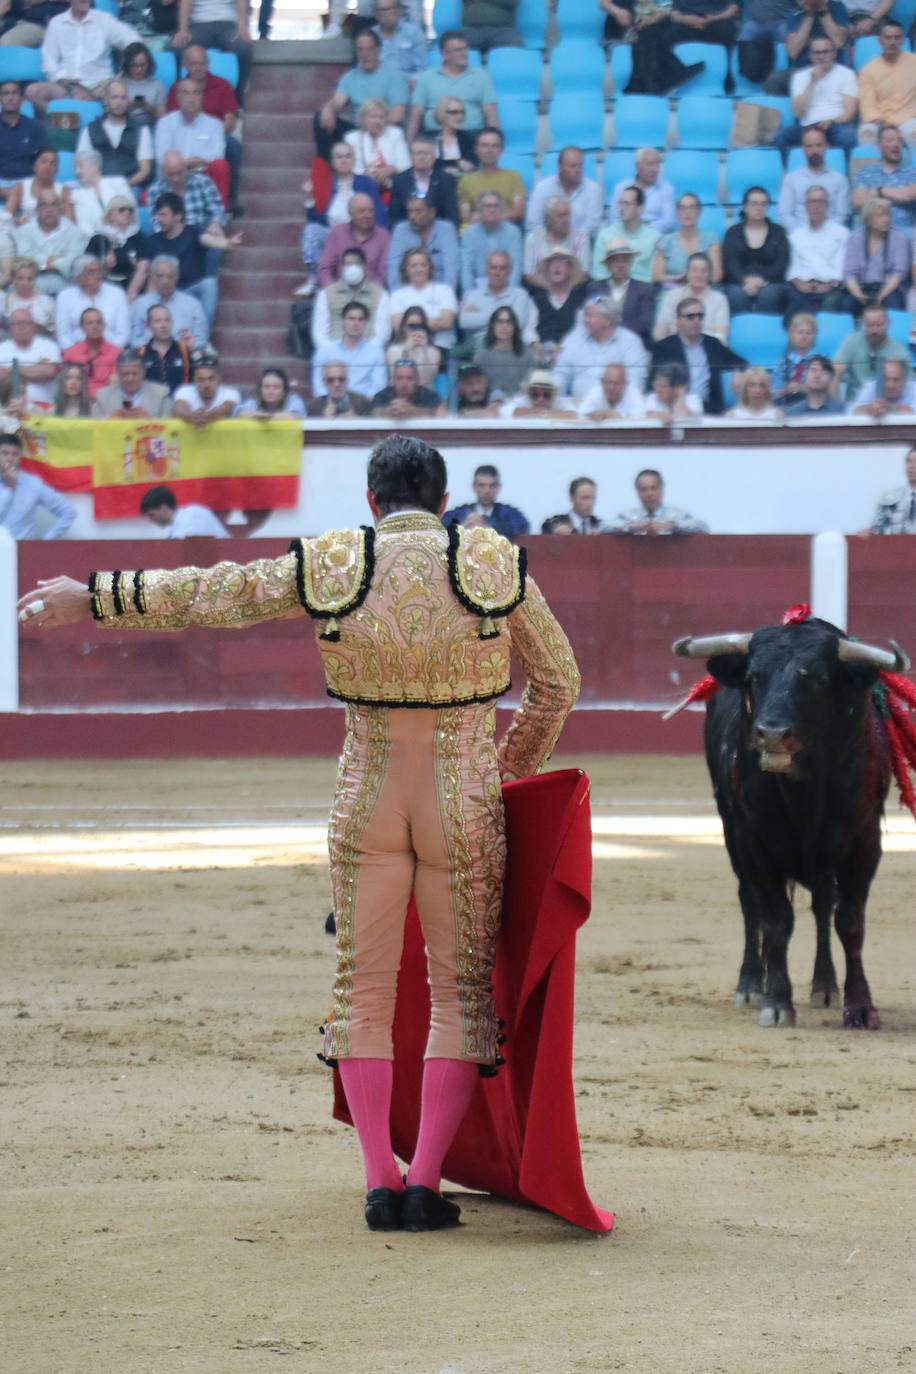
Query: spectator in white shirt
583, 194
613, 398
658, 208
76, 55
38, 359
815, 272
825, 94
91, 290
795, 185
198, 137
205, 399
697, 286
597, 341
364, 359
160, 506
436, 297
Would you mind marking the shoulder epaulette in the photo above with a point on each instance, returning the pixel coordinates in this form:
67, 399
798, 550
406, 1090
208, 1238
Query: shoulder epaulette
487, 574
333, 574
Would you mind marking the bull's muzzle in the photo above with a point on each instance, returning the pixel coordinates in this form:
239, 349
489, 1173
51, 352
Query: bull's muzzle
776, 747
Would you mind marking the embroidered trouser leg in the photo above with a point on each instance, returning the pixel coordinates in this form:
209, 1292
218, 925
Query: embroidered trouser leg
417, 809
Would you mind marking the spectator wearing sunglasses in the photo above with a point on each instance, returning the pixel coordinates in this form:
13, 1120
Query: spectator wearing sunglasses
704, 356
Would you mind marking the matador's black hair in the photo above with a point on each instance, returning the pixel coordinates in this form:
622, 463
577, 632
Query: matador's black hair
406, 472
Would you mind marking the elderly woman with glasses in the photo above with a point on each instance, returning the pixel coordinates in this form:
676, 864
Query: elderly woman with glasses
92, 196
379, 148
878, 259
120, 244
455, 146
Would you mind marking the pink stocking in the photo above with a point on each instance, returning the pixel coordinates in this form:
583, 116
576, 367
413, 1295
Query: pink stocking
367, 1084
448, 1086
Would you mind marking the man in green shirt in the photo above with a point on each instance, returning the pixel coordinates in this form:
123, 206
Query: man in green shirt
856, 360
489, 176
472, 85
490, 24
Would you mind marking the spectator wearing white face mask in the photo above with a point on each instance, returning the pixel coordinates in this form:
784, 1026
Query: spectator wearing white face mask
353, 285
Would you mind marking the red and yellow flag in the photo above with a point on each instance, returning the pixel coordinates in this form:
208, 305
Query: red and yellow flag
58, 451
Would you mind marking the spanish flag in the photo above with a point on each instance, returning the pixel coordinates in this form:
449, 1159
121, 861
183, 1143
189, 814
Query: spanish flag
58, 451
246, 464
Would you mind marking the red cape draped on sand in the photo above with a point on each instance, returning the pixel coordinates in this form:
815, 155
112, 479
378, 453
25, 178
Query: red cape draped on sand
519, 1139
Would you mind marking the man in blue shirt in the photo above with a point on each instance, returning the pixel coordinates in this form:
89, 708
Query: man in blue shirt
489, 234
486, 510
422, 229
370, 79
21, 494
403, 44
20, 138
893, 177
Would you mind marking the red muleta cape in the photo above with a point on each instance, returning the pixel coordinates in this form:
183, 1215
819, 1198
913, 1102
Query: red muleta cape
519, 1139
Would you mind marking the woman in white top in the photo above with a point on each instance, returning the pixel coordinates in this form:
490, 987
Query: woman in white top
755, 397
668, 398
379, 148
22, 199
23, 296
412, 342
437, 299
699, 271
90, 198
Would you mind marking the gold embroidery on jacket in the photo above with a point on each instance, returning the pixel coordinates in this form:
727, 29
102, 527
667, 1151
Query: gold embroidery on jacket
551, 690
333, 570
358, 786
227, 595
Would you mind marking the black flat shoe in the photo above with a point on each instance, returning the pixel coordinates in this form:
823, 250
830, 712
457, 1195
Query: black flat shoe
383, 1209
424, 1210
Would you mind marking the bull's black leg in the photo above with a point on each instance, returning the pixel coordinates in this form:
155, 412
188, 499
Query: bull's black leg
824, 990
750, 977
854, 877
777, 920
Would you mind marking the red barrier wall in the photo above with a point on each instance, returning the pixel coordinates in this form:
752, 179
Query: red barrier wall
621, 601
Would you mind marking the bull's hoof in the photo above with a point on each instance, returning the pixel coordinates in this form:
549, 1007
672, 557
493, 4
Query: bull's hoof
861, 1018
827, 996
748, 997
776, 1016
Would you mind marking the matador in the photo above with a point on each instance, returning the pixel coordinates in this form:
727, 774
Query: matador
414, 623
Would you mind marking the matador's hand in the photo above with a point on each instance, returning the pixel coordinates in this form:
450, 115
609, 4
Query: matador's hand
55, 601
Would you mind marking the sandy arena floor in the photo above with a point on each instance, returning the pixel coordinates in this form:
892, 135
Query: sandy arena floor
177, 1198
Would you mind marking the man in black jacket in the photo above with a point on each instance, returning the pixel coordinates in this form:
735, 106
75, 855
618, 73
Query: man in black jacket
635, 300
704, 356
424, 180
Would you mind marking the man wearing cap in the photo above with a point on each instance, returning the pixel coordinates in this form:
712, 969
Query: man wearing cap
537, 400
471, 400
703, 355
478, 305
556, 233
634, 300
613, 398
599, 340
558, 304
631, 226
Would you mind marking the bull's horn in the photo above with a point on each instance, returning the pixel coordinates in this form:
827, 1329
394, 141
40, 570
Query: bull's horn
711, 645
853, 651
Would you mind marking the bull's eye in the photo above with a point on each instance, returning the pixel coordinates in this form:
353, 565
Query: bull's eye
803, 672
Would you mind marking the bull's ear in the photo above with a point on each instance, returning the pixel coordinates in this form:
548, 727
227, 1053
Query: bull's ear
729, 669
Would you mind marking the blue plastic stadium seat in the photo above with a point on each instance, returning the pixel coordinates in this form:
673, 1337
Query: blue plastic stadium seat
759, 338
66, 169
864, 49
579, 19
712, 217
518, 120
20, 64
861, 150
691, 169
618, 163
548, 164
145, 220
621, 67
523, 163
711, 81
746, 167
224, 64
832, 329
166, 68
640, 120
704, 121
835, 159
108, 7
577, 69
579, 123
531, 21
516, 72
446, 15
86, 109
899, 324
904, 11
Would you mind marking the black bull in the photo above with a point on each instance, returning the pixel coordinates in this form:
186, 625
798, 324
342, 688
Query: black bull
800, 769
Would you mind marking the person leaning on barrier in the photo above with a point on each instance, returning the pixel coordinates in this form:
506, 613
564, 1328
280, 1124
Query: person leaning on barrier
818, 386
896, 509
485, 509
583, 492
652, 516
896, 394
337, 402
204, 399
538, 400
129, 396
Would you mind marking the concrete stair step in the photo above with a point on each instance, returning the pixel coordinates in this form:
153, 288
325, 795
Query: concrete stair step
261, 257
247, 312
266, 286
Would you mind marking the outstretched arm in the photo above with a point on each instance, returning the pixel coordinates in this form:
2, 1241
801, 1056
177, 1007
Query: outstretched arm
229, 595
551, 691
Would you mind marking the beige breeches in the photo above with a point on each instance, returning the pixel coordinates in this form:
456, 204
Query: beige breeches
418, 809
